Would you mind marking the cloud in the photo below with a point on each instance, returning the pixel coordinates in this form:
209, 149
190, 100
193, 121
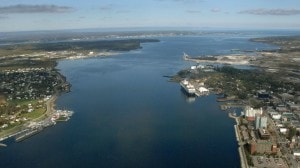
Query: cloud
215, 10
262, 11
193, 11
34, 9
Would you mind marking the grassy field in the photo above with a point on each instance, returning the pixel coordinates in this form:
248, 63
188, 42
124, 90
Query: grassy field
35, 113
11, 129
23, 102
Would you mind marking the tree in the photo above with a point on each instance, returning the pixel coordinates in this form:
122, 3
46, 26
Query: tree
292, 133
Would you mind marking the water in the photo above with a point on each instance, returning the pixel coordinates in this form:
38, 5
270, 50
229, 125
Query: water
128, 115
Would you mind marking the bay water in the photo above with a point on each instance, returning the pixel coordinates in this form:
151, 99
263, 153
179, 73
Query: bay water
127, 113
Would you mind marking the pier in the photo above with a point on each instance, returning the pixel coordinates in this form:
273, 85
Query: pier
3, 145
241, 149
27, 134
243, 158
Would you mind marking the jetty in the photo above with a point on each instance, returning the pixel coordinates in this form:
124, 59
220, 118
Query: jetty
241, 149
3, 145
28, 134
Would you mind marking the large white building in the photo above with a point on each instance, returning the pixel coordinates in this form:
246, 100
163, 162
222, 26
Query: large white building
251, 112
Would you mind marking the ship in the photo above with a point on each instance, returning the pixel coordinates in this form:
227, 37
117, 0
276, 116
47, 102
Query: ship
188, 88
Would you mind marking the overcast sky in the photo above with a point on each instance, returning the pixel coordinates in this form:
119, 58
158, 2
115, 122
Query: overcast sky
23, 15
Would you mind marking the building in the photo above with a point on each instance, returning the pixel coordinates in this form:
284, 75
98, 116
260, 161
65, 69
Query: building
276, 116
260, 121
262, 146
263, 95
250, 113
283, 130
203, 91
296, 153
264, 134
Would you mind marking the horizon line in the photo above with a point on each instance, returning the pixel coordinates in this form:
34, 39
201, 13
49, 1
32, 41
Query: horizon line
132, 29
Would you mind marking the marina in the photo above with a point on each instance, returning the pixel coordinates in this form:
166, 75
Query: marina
36, 127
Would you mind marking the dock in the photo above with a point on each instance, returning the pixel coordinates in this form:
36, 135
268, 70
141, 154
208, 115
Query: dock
28, 134
3, 145
241, 149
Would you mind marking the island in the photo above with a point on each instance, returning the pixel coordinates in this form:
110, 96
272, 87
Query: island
30, 82
267, 93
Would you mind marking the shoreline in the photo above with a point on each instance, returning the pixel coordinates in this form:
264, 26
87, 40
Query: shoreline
242, 153
276, 66
49, 111
51, 114
223, 59
241, 149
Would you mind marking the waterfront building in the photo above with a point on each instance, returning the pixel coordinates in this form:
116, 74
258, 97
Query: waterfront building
260, 121
203, 90
245, 135
262, 146
251, 112
263, 122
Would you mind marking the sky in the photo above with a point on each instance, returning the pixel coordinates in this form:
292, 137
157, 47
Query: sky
31, 15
